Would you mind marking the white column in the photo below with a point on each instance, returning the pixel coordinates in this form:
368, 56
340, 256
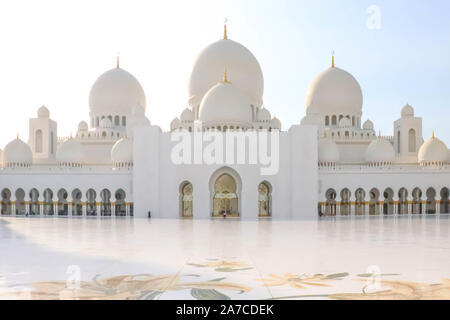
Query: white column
13, 207
69, 208
84, 208
113, 209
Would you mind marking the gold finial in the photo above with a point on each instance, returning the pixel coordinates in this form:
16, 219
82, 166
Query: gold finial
118, 61
70, 137
17, 136
225, 32
433, 135
332, 59
225, 77
325, 134
379, 134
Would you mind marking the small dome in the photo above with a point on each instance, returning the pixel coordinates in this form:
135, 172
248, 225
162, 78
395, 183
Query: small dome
368, 125
433, 151
263, 115
83, 126
116, 92
122, 152
105, 123
225, 104
175, 124
187, 115
345, 123
407, 111
43, 112
17, 154
328, 151
242, 67
276, 123
333, 92
70, 152
380, 151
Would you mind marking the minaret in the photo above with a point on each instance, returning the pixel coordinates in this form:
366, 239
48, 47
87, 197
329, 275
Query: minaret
118, 62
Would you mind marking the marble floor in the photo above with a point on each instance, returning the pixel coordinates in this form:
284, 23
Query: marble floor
341, 258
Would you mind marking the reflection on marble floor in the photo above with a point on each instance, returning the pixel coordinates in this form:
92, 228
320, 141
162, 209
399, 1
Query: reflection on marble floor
163, 259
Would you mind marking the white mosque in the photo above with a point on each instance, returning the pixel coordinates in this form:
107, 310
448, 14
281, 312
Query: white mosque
119, 164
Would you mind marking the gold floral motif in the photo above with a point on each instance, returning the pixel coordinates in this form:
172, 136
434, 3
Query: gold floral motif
402, 290
301, 281
125, 287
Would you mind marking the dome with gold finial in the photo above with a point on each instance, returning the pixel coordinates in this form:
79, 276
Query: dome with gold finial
433, 152
17, 154
70, 153
242, 67
380, 152
225, 104
334, 92
116, 92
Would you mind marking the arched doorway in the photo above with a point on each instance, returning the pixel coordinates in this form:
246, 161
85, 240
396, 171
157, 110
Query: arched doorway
105, 195
374, 203
20, 202
91, 203
34, 202
186, 200
6, 202
77, 205
121, 209
264, 199
360, 205
388, 204
431, 201
63, 207
48, 202
403, 201
330, 209
445, 205
417, 201
225, 196
345, 202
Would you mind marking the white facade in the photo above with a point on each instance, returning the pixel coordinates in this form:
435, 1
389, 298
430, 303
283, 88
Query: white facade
331, 163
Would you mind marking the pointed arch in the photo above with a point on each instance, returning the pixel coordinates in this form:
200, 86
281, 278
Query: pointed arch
225, 187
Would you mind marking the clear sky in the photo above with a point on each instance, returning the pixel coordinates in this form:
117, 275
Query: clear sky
51, 52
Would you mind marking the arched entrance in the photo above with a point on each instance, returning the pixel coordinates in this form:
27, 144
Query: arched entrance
20, 202
431, 201
403, 201
77, 204
34, 202
417, 201
345, 202
388, 204
6, 202
374, 203
91, 203
186, 200
62, 207
225, 187
330, 208
121, 208
360, 204
264, 199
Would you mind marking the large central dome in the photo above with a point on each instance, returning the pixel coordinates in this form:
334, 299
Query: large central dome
240, 64
116, 92
334, 92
